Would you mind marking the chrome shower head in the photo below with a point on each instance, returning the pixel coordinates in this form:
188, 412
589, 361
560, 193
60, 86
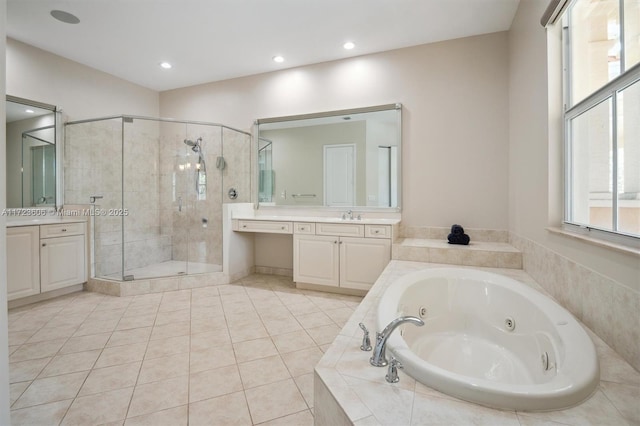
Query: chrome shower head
195, 145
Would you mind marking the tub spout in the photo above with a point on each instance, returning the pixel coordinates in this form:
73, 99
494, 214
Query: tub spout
378, 358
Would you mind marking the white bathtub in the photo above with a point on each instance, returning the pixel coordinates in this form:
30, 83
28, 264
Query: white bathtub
465, 349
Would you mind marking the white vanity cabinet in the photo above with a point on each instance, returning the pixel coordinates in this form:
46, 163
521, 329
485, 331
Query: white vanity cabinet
339, 260
23, 261
45, 257
62, 256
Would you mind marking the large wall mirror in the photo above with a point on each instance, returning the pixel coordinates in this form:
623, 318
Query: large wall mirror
33, 154
343, 159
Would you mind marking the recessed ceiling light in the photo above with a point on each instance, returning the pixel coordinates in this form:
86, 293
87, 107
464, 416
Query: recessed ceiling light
166, 65
278, 59
349, 45
65, 17
29, 111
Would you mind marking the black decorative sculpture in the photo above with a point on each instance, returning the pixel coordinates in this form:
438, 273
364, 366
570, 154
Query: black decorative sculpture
457, 236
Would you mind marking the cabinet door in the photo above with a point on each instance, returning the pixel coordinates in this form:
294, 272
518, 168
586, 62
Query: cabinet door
62, 262
315, 259
23, 261
362, 261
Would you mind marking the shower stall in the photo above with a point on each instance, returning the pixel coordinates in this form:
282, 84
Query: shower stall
155, 189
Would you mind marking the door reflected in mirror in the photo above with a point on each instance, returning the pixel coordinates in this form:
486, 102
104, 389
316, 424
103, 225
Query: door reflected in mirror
31, 154
348, 158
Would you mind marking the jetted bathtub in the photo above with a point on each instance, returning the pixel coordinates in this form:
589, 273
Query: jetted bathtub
489, 339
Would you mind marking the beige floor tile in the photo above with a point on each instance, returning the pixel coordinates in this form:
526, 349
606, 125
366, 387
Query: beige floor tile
51, 389
306, 307
274, 400
173, 316
85, 343
156, 369
166, 347
281, 325
254, 349
16, 390
45, 414
214, 357
71, 363
27, 370
110, 378
96, 326
157, 396
20, 337
137, 321
178, 416
129, 337
171, 330
121, 355
303, 418
263, 371
207, 324
228, 410
303, 361
250, 331
202, 341
106, 315
53, 333
315, 319
141, 309
290, 342
324, 334
213, 383
37, 350
305, 386
99, 408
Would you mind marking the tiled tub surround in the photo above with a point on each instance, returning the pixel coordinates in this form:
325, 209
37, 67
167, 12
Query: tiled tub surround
348, 390
488, 247
231, 354
607, 307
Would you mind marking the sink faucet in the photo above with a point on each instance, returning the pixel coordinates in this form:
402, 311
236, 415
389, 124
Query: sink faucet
348, 215
378, 359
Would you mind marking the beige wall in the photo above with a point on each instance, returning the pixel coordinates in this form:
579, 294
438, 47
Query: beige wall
81, 92
4, 339
455, 118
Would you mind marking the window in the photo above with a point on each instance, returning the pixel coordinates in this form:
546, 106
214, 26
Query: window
601, 40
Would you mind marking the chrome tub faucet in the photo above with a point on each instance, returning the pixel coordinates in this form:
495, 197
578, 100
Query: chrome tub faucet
379, 359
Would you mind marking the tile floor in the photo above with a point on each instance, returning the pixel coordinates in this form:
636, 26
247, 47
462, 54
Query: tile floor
238, 354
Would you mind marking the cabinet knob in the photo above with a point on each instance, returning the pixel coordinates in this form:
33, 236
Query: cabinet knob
340, 242
335, 242
44, 244
64, 230
376, 231
282, 227
244, 226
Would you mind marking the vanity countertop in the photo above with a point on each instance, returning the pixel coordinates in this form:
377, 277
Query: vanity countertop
13, 221
318, 219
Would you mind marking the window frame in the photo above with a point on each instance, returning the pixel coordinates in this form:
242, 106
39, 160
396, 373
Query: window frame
627, 78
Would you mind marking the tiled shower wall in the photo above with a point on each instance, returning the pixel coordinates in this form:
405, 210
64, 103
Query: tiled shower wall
165, 217
93, 165
607, 307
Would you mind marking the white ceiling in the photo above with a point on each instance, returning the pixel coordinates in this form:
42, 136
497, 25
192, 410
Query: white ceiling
211, 40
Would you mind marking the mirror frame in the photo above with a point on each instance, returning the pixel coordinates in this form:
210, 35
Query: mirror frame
59, 149
386, 107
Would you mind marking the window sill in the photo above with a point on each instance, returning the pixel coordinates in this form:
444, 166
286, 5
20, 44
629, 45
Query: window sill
596, 241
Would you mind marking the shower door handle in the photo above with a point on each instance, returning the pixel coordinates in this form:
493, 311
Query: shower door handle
179, 204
